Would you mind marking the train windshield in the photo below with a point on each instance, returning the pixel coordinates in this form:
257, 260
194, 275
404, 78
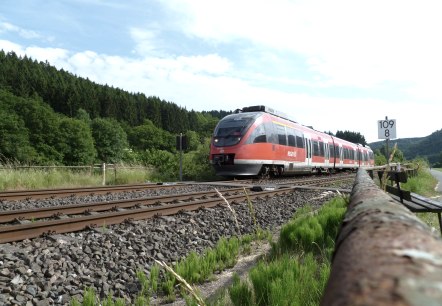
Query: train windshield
231, 129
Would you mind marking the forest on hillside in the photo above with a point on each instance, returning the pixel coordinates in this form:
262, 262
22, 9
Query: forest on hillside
50, 116
429, 147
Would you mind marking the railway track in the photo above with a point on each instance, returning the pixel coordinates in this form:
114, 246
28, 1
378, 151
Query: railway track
65, 192
57, 267
35, 229
15, 195
76, 217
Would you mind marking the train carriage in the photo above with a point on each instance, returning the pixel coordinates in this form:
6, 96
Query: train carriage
258, 140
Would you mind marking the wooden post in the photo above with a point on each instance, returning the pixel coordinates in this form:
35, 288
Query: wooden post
104, 174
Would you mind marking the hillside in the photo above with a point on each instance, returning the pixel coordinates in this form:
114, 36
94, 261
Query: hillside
50, 116
429, 146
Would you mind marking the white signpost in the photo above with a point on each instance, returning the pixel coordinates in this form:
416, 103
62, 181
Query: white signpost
387, 128
387, 131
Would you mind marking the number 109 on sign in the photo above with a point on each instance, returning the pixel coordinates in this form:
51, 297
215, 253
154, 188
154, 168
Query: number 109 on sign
387, 129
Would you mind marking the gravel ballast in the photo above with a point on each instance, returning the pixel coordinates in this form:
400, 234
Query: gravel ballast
52, 270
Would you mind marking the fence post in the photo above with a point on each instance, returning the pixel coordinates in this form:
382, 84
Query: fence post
104, 174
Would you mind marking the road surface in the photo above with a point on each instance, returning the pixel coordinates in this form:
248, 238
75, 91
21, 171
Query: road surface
438, 175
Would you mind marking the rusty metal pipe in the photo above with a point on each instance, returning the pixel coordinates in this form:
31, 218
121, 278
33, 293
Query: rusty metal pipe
384, 254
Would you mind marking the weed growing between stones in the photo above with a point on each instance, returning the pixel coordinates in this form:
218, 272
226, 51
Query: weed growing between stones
298, 268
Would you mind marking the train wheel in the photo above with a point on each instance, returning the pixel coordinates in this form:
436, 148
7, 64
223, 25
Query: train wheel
265, 172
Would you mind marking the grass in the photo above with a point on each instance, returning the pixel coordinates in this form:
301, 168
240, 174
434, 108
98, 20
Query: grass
298, 268
422, 184
41, 178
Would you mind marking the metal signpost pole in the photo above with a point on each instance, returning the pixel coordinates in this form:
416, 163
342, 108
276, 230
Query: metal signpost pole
386, 141
181, 157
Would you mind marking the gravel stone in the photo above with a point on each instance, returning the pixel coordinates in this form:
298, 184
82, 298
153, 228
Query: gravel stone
54, 269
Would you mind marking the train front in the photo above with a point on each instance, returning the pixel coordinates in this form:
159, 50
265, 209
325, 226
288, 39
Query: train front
228, 149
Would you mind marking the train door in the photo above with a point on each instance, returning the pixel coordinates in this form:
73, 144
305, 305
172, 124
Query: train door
341, 156
326, 154
308, 150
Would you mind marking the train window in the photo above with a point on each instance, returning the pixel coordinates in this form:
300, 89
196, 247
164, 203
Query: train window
299, 141
321, 148
332, 151
258, 135
282, 137
316, 148
231, 129
292, 140
260, 138
270, 132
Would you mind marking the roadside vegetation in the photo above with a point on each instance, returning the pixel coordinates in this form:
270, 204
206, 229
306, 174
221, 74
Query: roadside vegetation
157, 166
423, 184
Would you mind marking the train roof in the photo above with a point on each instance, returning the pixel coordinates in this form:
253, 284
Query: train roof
265, 109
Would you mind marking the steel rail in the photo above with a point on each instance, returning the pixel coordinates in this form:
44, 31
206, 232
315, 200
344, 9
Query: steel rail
60, 192
36, 229
50, 193
47, 212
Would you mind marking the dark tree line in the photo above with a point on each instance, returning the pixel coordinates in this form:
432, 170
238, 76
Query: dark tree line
66, 93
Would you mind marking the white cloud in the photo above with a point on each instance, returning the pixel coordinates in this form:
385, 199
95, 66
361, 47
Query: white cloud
349, 43
8, 27
9, 46
145, 40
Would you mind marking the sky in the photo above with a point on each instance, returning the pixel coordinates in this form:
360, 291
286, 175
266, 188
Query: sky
334, 65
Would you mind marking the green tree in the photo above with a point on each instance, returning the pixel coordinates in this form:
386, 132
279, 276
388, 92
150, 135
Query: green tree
148, 136
14, 139
354, 137
398, 154
84, 116
76, 142
196, 165
379, 158
110, 139
165, 163
40, 122
193, 140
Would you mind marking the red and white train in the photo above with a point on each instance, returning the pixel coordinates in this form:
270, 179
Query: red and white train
258, 140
